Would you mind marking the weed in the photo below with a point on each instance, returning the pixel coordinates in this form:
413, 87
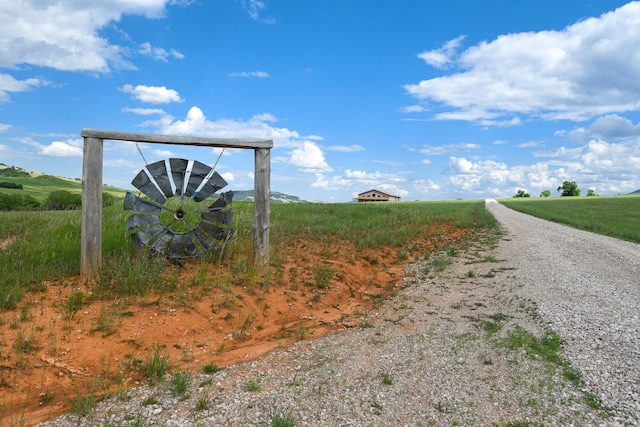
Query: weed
156, 366
441, 263
252, 385
180, 383
86, 401
73, 303
387, 379
471, 274
280, 419
46, 397
322, 276
202, 403
25, 345
151, 400
211, 368
243, 332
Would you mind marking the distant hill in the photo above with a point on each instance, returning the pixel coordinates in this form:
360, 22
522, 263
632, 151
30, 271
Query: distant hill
636, 192
39, 186
247, 196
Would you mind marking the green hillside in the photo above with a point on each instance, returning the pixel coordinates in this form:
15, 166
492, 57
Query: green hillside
39, 185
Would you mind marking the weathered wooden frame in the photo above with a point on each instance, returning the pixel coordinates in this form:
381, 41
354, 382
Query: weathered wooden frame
92, 165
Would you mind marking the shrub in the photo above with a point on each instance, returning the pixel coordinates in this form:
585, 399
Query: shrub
17, 202
10, 185
63, 200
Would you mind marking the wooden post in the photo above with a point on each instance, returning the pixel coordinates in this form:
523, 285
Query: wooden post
262, 210
91, 239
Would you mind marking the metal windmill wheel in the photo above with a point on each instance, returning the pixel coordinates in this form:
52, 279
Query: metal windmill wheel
172, 222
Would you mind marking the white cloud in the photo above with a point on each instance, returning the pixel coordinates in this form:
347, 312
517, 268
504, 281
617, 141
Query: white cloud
152, 94
158, 53
254, 8
228, 176
438, 150
354, 148
68, 148
65, 35
439, 58
587, 69
144, 111
309, 158
614, 126
9, 84
257, 127
250, 74
4, 128
531, 144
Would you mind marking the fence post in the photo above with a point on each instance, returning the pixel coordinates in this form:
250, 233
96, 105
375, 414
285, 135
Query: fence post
262, 211
91, 239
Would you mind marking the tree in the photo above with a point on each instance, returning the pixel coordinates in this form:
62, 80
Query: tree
591, 192
569, 188
522, 193
545, 193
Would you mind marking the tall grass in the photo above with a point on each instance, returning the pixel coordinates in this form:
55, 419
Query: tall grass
372, 224
616, 216
45, 245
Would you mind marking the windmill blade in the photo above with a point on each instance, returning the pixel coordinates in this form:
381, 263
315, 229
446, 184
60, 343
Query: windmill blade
182, 246
160, 174
199, 172
144, 237
178, 171
135, 203
143, 183
204, 240
222, 202
213, 184
220, 217
137, 221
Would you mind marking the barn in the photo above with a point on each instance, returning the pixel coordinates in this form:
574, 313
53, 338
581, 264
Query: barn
376, 196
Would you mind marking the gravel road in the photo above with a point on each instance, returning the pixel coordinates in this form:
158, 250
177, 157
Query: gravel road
441, 351
587, 289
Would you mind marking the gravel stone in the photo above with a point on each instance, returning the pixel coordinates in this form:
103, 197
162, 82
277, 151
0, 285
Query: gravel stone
436, 353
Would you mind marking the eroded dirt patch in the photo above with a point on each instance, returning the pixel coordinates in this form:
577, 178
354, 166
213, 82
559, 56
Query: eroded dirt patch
49, 356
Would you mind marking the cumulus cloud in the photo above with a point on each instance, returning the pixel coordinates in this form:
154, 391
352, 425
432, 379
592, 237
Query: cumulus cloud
309, 158
610, 126
257, 127
597, 164
152, 94
68, 148
587, 69
65, 35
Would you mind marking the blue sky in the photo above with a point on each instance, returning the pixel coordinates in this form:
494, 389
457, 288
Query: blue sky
428, 100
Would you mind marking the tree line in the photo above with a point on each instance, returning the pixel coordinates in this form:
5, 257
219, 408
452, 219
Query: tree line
567, 189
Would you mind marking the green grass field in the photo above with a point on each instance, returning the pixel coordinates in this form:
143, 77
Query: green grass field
615, 216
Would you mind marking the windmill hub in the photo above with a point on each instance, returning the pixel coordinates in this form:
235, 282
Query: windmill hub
179, 214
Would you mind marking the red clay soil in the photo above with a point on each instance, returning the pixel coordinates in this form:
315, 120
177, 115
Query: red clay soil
47, 358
